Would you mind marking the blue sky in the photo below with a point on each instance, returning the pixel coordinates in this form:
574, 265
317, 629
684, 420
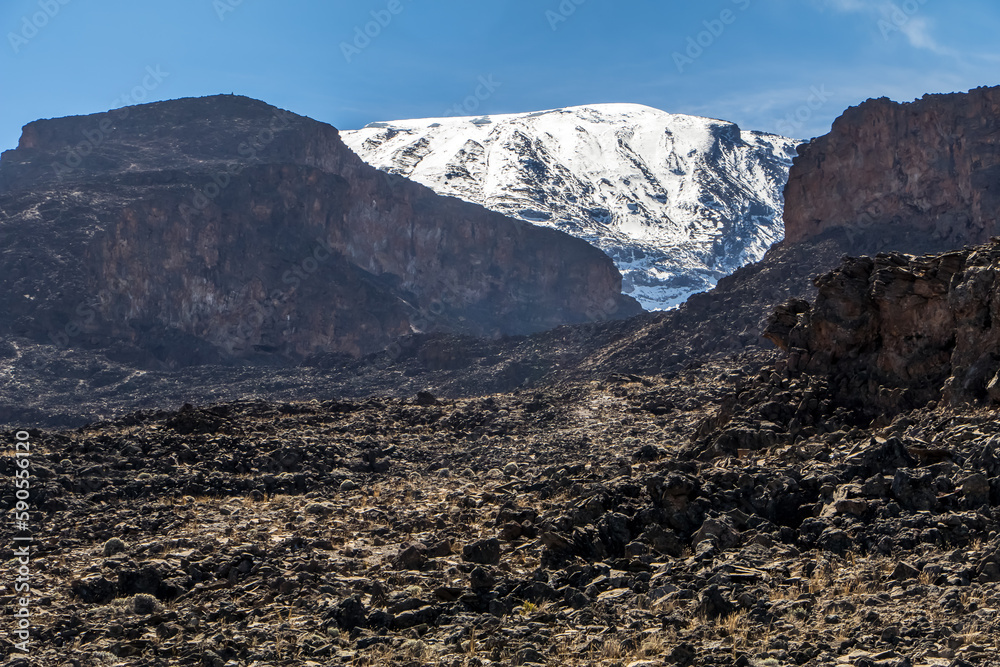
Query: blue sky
788, 66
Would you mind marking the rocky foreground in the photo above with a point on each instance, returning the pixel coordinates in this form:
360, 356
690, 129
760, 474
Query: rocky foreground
622, 522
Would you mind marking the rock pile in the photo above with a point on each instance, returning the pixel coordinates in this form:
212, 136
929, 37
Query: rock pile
625, 522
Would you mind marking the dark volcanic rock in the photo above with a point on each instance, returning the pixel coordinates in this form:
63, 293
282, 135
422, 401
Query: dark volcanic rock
817, 549
485, 552
200, 229
920, 328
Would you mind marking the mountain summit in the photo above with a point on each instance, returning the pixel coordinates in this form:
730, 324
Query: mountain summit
676, 201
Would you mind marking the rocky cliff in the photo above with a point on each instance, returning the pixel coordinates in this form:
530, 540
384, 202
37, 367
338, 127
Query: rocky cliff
727, 321
199, 229
899, 330
929, 170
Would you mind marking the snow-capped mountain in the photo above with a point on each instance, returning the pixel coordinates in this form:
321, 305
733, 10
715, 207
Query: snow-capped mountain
676, 201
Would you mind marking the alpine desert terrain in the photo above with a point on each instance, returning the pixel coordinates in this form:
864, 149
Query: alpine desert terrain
798, 467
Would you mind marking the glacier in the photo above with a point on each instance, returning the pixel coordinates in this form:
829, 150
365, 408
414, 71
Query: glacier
677, 201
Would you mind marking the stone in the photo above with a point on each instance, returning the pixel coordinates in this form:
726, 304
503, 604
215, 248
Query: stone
926, 334
683, 655
835, 540
913, 489
976, 490
426, 398
636, 549
648, 452
440, 549
319, 509
510, 531
94, 590
720, 530
484, 552
529, 655
713, 603
613, 532
412, 557
146, 579
904, 571
482, 579
663, 540
851, 506
349, 613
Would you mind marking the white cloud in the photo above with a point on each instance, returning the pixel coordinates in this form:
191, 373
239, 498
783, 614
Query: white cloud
918, 31
891, 18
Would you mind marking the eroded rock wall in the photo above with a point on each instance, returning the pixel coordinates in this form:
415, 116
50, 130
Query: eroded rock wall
901, 329
929, 169
199, 229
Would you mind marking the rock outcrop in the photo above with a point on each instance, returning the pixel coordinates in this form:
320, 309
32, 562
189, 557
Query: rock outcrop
929, 170
901, 330
202, 229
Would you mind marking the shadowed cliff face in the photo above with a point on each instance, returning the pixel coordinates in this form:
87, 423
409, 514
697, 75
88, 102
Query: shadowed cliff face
901, 330
897, 330
198, 229
929, 170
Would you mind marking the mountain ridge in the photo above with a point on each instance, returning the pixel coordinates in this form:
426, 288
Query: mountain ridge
206, 228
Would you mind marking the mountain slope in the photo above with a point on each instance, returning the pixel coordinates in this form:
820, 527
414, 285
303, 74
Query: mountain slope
677, 201
221, 227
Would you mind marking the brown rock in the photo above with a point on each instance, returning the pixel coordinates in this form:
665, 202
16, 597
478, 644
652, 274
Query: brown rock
510, 531
922, 326
484, 552
976, 489
925, 166
413, 557
904, 571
